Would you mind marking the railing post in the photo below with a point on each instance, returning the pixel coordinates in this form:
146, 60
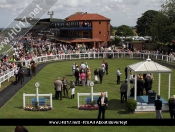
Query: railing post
51, 100
24, 101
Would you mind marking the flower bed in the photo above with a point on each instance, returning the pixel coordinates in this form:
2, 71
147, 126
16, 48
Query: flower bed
88, 107
40, 108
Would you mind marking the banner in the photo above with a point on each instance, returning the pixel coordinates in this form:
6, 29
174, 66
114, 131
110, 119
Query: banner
87, 122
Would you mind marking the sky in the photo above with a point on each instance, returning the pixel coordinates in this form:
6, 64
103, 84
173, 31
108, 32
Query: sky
121, 12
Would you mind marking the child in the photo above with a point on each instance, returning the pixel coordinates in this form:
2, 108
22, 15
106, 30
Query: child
72, 86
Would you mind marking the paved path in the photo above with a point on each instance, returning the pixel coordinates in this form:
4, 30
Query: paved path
7, 93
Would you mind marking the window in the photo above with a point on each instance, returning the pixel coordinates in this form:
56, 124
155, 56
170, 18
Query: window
99, 32
99, 22
108, 23
85, 34
108, 32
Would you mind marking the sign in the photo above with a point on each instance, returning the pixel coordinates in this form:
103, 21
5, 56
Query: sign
37, 84
91, 83
150, 108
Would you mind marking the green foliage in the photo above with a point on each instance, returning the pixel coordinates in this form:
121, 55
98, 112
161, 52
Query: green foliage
129, 39
36, 104
111, 30
116, 40
93, 102
145, 21
124, 30
131, 104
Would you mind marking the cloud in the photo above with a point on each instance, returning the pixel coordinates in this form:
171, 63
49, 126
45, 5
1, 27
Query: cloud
126, 10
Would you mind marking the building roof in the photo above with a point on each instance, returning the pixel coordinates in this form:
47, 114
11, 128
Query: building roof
86, 17
149, 66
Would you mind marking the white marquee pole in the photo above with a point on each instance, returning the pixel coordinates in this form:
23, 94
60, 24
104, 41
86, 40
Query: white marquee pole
169, 85
159, 84
128, 77
135, 88
92, 94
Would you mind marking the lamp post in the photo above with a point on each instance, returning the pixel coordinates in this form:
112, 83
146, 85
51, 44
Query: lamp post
51, 13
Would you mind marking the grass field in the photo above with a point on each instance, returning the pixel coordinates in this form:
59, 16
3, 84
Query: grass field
67, 108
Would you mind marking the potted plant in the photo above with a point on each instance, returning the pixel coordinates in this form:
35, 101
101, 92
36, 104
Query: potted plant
131, 105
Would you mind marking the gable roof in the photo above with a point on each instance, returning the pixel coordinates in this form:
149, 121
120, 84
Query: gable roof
86, 17
149, 66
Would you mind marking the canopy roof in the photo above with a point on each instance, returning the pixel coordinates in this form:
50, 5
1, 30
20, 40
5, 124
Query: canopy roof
149, 66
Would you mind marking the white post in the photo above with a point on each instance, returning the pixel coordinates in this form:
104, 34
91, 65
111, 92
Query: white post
159, 84
78, 99
37, 98
92, 94
169, 85
51, 101
135, 88
128, 77
24, 101
106, 94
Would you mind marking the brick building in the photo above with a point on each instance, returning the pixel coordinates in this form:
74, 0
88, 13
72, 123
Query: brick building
92, 30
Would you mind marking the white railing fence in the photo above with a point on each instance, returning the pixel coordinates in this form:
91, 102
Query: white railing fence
91, 55
42, 101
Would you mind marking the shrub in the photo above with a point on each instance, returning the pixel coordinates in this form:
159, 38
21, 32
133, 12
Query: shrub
131, 105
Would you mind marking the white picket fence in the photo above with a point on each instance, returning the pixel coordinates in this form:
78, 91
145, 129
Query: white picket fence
90, 55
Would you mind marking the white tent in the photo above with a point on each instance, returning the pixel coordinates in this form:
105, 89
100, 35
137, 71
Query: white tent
144, 67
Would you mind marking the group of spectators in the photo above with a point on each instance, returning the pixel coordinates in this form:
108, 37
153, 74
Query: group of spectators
83, 73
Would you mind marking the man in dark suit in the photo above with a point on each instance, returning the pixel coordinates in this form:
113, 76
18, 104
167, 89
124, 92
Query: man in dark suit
101, 73
148, 83
102, 104
126, 72
158, 106
123, 91
172, 107
77, 82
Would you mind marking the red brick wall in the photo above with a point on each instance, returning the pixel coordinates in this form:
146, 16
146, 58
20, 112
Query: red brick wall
104, 28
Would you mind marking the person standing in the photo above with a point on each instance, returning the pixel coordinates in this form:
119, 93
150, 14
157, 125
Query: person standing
172, 107
158, 107
16, 74
88, 76
65, 89
148, 83
106, 68
118, 75
126, 72
77, 74
83, 78
72, 86
140, 86
101, 73
96, 75
58, 88
102, 104
28, 68
73, 69
123, 91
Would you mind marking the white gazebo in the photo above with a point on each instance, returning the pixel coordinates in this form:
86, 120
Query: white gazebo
144, 67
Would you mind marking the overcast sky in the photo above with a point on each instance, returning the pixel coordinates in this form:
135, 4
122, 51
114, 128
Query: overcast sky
121, 12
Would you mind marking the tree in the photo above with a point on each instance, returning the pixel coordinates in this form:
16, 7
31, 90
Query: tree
111, 30
116, 40
124, 30
163, 27
145, 21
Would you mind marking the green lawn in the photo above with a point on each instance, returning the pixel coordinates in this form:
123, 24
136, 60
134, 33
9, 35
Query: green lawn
67, 108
